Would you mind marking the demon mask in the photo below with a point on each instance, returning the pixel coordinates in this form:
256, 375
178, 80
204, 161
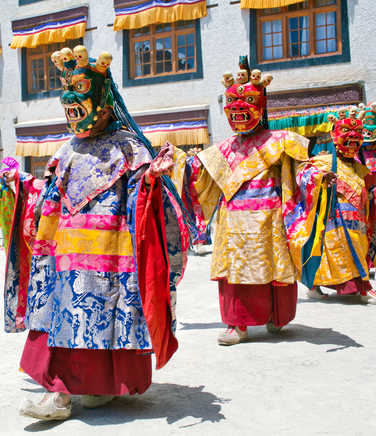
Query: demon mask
347, 136
245, 99
86, 88
368, 117
244, 107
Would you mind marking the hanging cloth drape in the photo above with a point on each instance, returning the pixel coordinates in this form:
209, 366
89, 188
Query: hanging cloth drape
264, 4
137, 14
48, 29
306, 122
39, 146
180, 133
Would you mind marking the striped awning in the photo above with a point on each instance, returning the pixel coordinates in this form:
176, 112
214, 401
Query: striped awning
39, 146
266, 4
306, 122
137, 14
178, 133
48, 29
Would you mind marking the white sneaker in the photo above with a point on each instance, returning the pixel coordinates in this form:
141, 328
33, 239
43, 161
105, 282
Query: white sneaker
232, 335
47, 411
370, 298
93, 401
316, 293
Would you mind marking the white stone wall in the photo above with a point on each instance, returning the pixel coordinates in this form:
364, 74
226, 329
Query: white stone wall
224, 34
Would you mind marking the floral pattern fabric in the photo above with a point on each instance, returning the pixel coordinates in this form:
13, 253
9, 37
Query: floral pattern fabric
337, 264
83, 288
246, 181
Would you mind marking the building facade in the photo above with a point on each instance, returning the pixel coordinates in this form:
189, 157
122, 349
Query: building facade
318, 51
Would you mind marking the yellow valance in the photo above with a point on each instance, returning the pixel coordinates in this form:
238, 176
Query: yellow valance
266, 4
39, 146
49, 29
158, 11
180, 133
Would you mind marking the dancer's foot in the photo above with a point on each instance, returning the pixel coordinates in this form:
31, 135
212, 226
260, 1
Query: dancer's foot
233, 335
369, 297
271, 328
93, 401
53, 406
316, 293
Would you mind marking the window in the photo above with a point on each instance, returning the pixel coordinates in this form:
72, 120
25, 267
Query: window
163, 52
300, 33
41, 77
36, 165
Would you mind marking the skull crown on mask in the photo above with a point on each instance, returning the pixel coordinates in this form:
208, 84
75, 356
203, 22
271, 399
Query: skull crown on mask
245, 99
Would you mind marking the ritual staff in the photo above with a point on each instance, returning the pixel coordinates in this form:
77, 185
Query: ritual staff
327, 220
95, 251
246, 179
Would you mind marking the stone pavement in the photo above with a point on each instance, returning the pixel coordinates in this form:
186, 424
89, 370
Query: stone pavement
317, 377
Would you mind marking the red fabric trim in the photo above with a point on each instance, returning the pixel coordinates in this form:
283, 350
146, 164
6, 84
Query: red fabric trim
352, 286
153, 270
257, 304
85, 372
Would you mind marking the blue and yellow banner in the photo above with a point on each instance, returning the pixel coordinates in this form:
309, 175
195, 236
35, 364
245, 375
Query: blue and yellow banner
50, 32
158, 11
45, 145
179, 133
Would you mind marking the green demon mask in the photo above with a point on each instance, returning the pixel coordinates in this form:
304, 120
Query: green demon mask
86, 88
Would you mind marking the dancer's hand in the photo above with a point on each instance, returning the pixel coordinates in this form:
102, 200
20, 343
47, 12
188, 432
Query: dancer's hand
330, 178
162, 164
9, 176
193, 151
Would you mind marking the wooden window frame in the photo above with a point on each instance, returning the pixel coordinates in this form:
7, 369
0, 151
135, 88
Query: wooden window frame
284, 16
152, 37
129, 58
28, 56
342, 54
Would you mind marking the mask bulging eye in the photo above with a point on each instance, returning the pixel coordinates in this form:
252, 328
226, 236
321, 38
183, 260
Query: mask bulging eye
250, 100
82, 86
229, 99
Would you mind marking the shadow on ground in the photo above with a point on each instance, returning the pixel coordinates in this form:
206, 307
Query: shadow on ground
200, 325
290, 333
163, 400
347, 300
303, 333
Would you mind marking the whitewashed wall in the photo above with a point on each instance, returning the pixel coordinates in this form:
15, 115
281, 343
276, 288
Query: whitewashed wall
225, 35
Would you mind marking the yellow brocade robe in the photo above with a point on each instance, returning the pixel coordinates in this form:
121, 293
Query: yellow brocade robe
337, 264
248, 180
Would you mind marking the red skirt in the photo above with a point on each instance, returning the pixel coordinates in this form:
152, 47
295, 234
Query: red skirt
352, 287
257, 304
85, 372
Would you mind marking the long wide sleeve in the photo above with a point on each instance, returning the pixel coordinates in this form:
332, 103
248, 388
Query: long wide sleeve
21, 240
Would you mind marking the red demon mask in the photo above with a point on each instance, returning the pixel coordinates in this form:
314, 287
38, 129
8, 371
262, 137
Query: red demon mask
347, 136
245, 105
